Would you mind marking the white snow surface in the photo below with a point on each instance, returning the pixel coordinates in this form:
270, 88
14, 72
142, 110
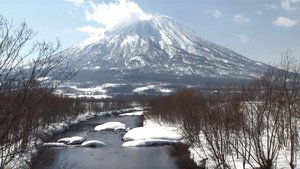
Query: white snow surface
159, 87
111, 126
93, 143
148, 142
154, 133
95, 92
144, 88
54, 144
161, 41
197, 154
151, 134
137, 113
72, 140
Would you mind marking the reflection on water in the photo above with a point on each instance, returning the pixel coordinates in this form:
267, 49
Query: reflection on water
113, 156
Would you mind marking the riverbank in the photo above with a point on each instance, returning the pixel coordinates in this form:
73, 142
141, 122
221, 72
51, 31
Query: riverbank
112, 156
24, 161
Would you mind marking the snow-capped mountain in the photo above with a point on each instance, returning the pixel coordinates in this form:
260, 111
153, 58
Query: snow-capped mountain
160, 44
160, 50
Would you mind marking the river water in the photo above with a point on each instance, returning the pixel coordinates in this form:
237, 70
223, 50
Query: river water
112, 156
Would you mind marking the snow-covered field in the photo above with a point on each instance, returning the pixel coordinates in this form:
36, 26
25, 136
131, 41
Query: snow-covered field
96, 92
108, 90
200, 154
159, 87
155, 133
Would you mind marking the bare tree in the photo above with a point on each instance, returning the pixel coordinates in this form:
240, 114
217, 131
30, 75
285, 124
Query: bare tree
289, 70
27, 75
271, 105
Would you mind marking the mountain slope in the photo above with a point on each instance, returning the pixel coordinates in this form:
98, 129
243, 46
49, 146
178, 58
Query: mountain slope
160, 45
156, 55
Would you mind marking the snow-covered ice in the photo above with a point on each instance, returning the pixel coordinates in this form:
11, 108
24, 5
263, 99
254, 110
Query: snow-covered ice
72, 140
93, 143
54, 144
136, 113
76, 140
65, 140
151, 134
111, 126
152, 130
149, 142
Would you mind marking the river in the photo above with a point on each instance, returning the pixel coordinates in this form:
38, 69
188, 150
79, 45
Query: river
112, 156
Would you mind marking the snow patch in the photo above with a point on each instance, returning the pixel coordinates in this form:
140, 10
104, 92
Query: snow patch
93, 143
149, 142
54, 144
72, 140
110, 126
94, 89
144, 88
130, 39
152, 130
166, 90
137, 113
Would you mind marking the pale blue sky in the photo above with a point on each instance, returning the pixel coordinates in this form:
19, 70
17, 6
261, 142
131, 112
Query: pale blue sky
258, 29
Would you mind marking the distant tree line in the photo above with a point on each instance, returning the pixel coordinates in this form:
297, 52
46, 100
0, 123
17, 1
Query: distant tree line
253, 124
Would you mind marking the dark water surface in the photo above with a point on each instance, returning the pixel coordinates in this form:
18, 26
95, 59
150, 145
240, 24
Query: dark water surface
112, 156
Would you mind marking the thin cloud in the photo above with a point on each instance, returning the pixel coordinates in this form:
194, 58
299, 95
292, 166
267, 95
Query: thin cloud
285, 22
77, 2
271, 6
290, 5
243, 38
91, 30
214, 12
259, 12
241, 19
